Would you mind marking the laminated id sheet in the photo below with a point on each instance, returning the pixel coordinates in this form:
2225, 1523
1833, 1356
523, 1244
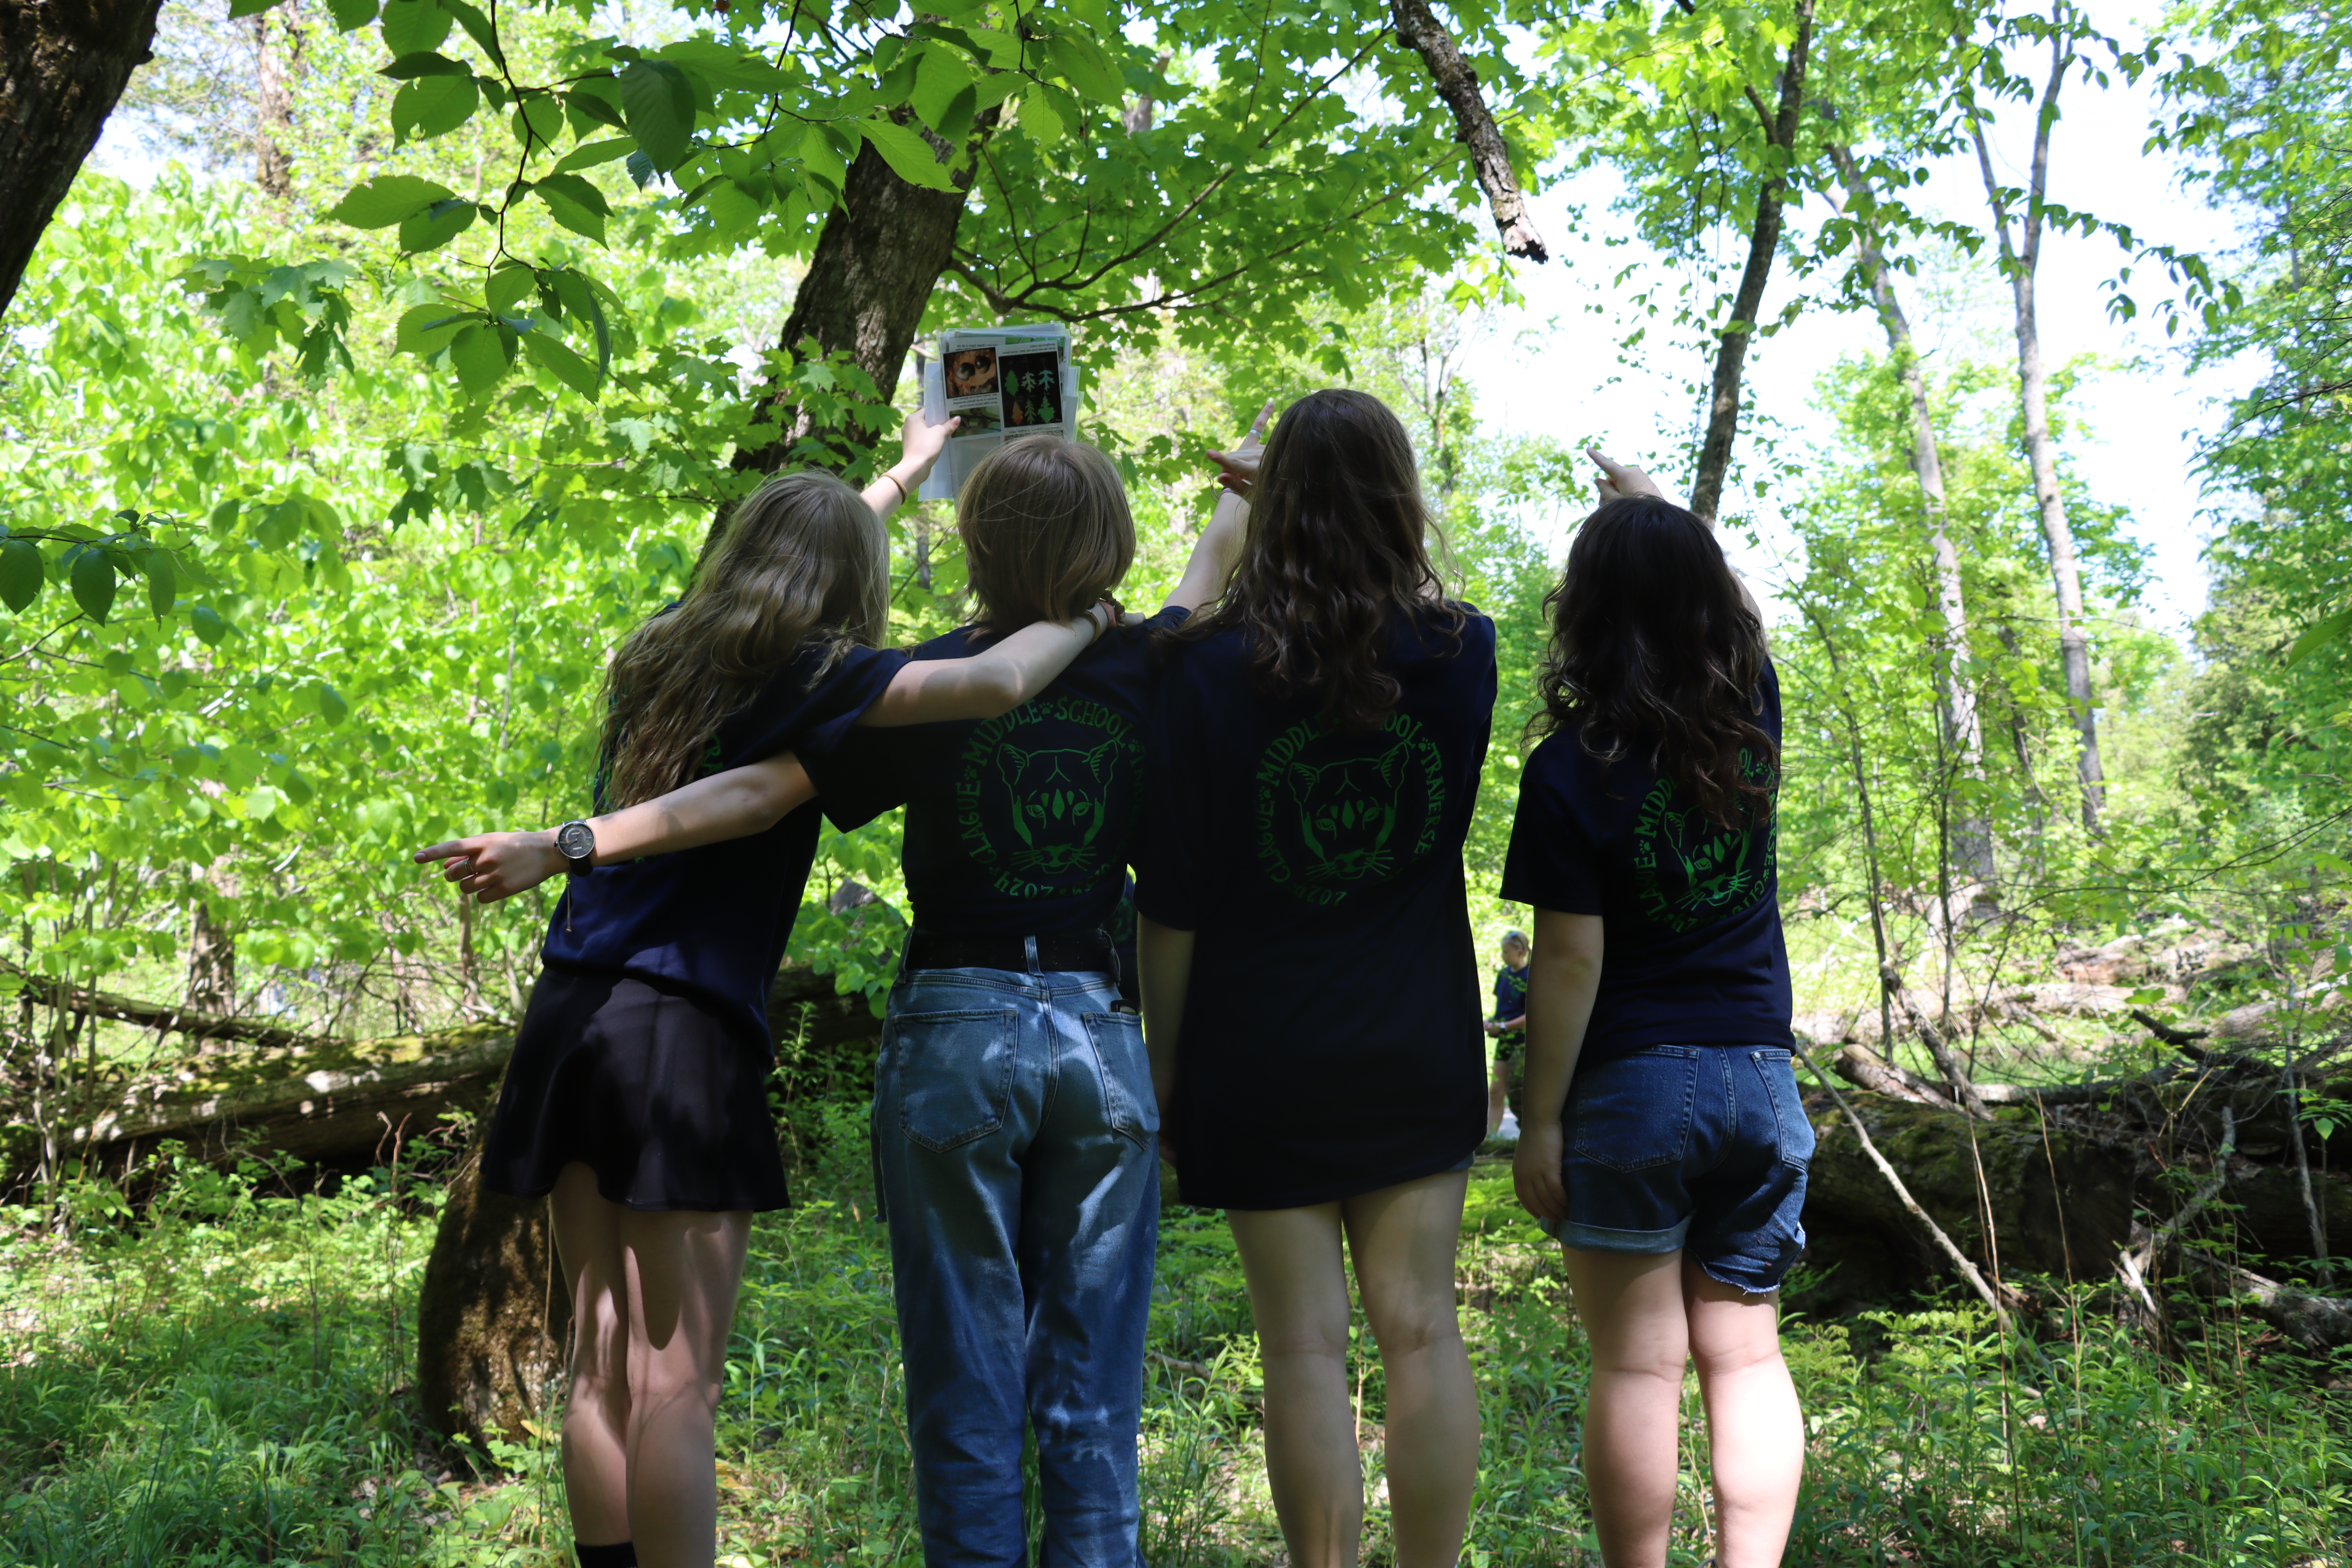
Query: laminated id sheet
1001, 383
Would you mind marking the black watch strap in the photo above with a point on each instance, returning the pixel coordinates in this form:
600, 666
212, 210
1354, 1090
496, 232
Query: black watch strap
576, 842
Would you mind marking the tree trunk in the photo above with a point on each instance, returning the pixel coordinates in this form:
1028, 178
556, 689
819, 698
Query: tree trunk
1763, 241
273, 100
1457, 84
212, 965
63, 64
1963, 730
2020, 258
875, 264
492, 1313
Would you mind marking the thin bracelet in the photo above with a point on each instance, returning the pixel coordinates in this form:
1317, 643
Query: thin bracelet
903, 497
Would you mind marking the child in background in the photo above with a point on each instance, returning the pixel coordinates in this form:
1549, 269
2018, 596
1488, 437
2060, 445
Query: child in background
1665, 1142
637, 1096
1509, 1025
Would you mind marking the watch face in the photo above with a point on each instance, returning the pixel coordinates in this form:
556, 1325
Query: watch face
575, 841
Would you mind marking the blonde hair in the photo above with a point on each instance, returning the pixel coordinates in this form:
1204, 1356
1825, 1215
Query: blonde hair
1045, 530
804, 556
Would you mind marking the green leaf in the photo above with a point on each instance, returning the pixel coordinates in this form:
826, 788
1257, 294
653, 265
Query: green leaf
938, 78
594, 102
350, 16
92, 575
577, 205
579, 300
1039, 119
1083, 66
426, 329
538, 122
595, 153
910, 156
331, 704
433, 105
509, 285
436, 226
2319, 635
408, 67
162, 580
478, 27
240, 9
568, 367
659, 103
20, 573
414, 27
480, 359
209, 626
383, 201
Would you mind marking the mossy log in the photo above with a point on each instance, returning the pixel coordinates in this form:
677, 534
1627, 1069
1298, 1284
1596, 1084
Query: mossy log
329, 1102
2058, 1200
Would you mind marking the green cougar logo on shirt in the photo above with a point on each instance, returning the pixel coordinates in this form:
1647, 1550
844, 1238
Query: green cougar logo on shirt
1687, 871
1340, 814
1057, 805
1038, 788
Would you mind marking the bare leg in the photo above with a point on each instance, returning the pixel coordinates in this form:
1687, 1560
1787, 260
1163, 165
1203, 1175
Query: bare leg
683, 1271
596, 1415
1405, 1239
1298, 1297
1497, 1086
1754, 1428
1632, 1309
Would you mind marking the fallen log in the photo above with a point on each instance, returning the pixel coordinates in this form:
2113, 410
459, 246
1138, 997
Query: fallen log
200, 1026
330, 1101
2059, 1199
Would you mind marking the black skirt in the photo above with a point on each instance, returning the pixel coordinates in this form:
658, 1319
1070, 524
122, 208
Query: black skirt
648, 1087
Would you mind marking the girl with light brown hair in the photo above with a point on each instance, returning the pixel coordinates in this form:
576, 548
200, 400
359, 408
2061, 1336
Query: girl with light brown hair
637, 1095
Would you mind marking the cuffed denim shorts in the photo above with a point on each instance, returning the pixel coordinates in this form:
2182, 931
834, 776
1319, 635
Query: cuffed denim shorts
1699, 1149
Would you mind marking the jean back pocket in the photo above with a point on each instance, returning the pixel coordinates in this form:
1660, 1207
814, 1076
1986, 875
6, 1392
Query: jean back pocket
1635, 1111
1130, 1105
953, 1073
1773, 1065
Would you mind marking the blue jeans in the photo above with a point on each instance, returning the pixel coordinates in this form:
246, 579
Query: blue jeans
1701, 1149
1016, 1144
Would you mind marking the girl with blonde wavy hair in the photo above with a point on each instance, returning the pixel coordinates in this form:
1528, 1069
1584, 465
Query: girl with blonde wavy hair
636, 1096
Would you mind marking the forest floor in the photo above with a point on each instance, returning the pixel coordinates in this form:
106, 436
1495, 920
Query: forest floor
224, 1381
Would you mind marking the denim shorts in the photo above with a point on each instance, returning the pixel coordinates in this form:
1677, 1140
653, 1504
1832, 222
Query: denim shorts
1689, 1148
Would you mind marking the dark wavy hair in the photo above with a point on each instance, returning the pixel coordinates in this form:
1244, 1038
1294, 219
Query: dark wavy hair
1336, 542
1656, 650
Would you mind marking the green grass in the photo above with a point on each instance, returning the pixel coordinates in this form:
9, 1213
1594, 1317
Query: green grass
224, 1381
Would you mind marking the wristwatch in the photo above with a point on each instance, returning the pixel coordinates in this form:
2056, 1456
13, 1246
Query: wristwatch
576, 842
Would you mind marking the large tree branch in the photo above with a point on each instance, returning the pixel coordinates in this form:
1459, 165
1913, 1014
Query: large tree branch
1763, 242
1457, 84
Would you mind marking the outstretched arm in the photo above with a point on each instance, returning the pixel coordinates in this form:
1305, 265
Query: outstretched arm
919, 446
994, 681
1220, 544
731, 805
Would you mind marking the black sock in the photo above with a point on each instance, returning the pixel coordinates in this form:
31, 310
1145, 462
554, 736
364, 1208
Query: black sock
622, 1554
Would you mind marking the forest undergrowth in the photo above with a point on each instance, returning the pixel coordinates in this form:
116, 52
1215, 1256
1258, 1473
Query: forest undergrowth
224, 1379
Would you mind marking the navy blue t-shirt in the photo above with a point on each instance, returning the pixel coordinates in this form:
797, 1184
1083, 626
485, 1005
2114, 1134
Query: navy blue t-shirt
1691, 946
1510, 994
1018, 826
1297, 851
714, 921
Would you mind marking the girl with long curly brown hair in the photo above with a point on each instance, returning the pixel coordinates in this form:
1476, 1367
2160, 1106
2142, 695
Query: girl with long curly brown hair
1662, 1140
1305, 942
637, 1098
